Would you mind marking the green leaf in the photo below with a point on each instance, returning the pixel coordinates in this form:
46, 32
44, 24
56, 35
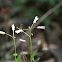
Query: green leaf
37, 59
32, 56
19, 58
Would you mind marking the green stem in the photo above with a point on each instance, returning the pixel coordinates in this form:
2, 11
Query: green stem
26, 34
30, 43
15, 47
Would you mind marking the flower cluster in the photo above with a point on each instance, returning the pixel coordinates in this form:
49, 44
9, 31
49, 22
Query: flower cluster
22, 40
22, 30
38, 27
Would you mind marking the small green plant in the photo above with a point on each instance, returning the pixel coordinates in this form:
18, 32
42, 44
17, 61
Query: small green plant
18, 59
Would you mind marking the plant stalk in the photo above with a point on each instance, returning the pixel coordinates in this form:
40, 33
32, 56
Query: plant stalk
30, 44
15, 47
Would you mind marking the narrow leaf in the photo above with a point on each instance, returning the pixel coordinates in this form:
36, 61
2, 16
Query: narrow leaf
37, 59
19, 58
32, 56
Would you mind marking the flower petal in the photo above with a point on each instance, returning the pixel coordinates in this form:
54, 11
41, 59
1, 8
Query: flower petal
18, 31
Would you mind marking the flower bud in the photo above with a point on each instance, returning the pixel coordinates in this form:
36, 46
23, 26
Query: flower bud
22, 40
1, 32
13, 27
40, 27
35, 20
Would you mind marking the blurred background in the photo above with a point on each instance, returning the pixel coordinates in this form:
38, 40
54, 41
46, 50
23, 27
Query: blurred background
22, 13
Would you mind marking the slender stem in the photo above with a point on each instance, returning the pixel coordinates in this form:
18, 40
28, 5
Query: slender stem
25, 29
15, 47
26, 34
32, 25
30, 44
14, 42
9, 35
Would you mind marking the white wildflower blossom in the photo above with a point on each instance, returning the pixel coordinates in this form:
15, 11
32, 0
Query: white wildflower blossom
40, 27
22, 40
39, 42
24, 52
18, 31
45, 49
1, 32
35, 20
13, 27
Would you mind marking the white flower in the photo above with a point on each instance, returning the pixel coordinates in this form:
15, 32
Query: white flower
22, 40
45, 49
35, 20
39, 42
24, 52
13, 27
1, 32
40, 27
18, 31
